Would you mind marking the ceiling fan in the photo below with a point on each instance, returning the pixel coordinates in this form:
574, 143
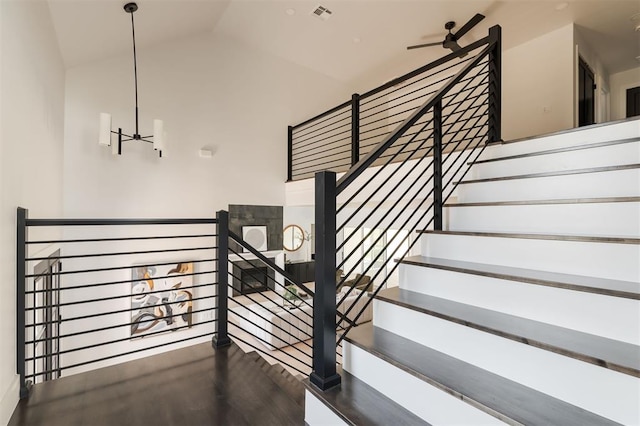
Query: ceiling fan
451, 40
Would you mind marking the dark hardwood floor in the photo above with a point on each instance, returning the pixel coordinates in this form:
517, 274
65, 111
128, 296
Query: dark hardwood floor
191, 386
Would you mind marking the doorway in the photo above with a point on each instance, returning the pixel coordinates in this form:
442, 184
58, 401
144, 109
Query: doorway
633, 102
586, 94
45, 332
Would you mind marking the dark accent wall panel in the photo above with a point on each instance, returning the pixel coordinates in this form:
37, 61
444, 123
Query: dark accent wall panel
269, 216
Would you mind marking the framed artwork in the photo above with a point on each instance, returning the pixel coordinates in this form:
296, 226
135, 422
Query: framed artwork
161, 298
255, 236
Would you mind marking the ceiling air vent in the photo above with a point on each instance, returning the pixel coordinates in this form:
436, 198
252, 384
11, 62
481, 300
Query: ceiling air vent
321, 12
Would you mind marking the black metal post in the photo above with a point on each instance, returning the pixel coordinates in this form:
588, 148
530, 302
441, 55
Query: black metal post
437, 166
120, 141
289, 153
495, 85
221, 338
21, 265
355, 128
323, 373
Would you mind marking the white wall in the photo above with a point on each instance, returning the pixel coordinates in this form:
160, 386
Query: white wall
619, 84
31, 144
537, 84
209, 91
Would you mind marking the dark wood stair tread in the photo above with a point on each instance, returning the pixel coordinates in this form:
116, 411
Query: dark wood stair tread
574, 238
615, 355
603, 200
360, 404
500, 397
609, 287
555, 173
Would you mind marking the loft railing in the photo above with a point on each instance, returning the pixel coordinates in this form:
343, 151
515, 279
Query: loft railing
95, 292
336, 139
364, 220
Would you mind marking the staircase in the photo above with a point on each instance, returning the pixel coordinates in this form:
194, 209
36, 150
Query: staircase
525, 310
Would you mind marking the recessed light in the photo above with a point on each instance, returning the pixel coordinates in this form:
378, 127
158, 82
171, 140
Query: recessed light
562, 6
356, 40
290, 12
638, 58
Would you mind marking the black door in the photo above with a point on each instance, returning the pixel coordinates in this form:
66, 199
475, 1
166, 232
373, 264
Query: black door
633, 102
586, 94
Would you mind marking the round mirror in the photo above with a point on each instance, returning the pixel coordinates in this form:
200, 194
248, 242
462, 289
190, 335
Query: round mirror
293, 237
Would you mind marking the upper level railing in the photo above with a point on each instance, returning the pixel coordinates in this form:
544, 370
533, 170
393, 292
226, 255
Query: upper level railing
365, 220
336, 139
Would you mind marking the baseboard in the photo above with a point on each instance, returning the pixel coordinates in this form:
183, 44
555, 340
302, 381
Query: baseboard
9, 400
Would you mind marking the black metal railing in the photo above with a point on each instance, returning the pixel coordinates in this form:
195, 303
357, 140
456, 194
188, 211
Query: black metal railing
336, 139
270, 312
94, 292
148, 285
443, 118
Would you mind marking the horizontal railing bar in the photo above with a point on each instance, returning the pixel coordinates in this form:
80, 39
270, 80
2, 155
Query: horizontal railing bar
115, 268
96, 330
297, 141
274, 301
316, 156
80, 364
324, 114
80, 302
102, 314
271, 356
249, 261
117, 282
116, 222
336, 135
393, 173
95, 240
300, 134
270, 333
273, 266
451, 56
365, 162
320, 164
122, 253
357, 192
423, 88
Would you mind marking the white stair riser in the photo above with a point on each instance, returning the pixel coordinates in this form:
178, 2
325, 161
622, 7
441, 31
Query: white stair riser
602, 391
611, 155
593, 219
619, 183
629, 129
316, 413
576, 310
604, 260
427, 402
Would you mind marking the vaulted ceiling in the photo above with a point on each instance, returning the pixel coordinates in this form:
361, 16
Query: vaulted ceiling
359, 36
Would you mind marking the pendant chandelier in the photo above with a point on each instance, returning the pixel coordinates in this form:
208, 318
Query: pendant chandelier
105, 134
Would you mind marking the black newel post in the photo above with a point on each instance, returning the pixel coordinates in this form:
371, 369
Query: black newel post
289, 154
221, 338
355, 128
324, 374
437, 166
495, 85
21, 264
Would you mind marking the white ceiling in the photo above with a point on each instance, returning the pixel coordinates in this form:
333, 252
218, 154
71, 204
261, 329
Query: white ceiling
90, 30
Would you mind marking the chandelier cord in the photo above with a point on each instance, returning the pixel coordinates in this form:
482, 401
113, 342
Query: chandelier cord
135, 72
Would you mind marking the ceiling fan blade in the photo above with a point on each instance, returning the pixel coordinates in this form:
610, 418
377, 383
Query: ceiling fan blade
417, 46
467, 27
454, 48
